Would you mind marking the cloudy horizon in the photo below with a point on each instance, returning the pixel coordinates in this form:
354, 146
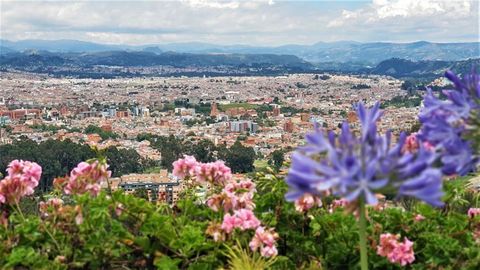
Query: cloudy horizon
255, 23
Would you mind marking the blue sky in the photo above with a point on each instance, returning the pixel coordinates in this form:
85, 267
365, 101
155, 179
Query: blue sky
261, 22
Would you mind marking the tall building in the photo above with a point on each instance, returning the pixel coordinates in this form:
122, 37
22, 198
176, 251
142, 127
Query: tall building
214, 109
288, 126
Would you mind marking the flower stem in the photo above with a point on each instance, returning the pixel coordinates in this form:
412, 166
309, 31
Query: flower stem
362, 233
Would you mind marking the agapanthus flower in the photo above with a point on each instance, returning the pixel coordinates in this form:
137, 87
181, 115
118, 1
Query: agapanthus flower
356, 168
87, 177
21, 180
446, 124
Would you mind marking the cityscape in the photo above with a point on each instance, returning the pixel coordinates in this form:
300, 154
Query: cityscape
175, 142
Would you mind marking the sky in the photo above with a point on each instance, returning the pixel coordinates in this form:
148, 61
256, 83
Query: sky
259, 23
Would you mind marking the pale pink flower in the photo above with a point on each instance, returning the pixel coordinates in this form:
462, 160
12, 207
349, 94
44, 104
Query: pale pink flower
411, 144
340, 203
185, 167
473, 212
214, 172
230, 223
119, 209
268, 251
419, 217
388, 243
307, 201
79, 216
87, 177
248, 219
402, 253
214, 202
22, 178
265, 240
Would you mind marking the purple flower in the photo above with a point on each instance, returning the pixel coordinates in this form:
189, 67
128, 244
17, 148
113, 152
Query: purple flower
446, 124
358, 167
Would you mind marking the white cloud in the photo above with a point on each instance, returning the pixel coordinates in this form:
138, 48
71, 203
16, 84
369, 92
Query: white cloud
382, 10
262, 22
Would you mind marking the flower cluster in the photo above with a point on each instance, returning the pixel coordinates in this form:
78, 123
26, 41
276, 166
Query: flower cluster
87, 177
265, 240
357, 167
21, 180
213, 172
447, 124
307, 201
243, 219
394, 250
233, 197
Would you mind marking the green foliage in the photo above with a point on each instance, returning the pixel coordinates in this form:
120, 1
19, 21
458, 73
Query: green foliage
91, 129
58, 158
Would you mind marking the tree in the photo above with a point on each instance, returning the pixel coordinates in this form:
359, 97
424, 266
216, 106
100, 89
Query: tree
203, 151
277, 158
240, 158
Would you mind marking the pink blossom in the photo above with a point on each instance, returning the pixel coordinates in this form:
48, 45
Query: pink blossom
395, 251
214, 172
269, 251
388, 243
185, 167
265, 240
119, 209
307, 201
230, 223
473, 212
411, 144
87, 177
248, 219
23, 177
340, 203
402, 253
419, 217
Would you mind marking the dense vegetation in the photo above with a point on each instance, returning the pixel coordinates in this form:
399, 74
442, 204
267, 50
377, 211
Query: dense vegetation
238, 157
59, 157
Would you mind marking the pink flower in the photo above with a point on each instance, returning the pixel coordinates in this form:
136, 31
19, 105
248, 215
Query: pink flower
269, 251
402, 253
248, 219
419, 217
395, 251
185, 167
340, 203
29, 171
473, 212
230, 223
119, 209
307, 201
265, 240
214, 172
23, 177
87, 177
411, 144
388, 243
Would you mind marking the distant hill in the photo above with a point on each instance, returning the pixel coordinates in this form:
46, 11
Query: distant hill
105, 64
401, 68
366, 54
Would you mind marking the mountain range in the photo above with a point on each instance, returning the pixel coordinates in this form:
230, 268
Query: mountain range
364, 54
